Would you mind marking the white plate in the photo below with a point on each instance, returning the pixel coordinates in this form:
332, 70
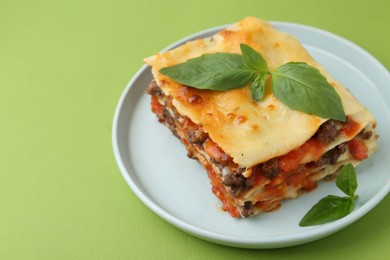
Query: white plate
155, 165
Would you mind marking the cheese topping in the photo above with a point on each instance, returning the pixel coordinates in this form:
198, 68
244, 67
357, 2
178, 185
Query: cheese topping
250, 132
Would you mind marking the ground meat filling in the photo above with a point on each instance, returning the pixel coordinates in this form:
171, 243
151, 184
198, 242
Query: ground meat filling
364, 134
328, 131
269, 169
329, 157
236, 182
196, 135
170, 122
247, 209
153, 89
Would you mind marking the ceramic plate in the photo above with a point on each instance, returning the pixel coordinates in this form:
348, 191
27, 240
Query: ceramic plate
155, 165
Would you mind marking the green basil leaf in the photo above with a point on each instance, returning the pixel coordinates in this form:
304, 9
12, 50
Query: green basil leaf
353, 198
302, 87
328, 209
219, 71
252, 59
347, 181
258, 87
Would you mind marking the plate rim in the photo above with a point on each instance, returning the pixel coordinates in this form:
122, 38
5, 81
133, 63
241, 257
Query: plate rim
241, 241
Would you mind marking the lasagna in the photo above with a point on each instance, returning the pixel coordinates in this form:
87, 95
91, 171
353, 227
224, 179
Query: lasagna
257, 154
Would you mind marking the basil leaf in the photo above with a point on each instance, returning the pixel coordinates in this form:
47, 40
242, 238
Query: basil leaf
258, 87
302, 87
347, 181
253, 60
327, 209
219, 71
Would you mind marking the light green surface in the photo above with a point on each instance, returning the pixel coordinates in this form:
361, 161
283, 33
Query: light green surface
63, 67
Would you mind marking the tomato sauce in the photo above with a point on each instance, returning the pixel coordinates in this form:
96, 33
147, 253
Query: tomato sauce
157, 108
358, 149
292, 160
219, 191
350, 128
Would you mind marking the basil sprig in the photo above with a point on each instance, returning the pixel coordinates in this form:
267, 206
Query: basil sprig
333, 207
298, 85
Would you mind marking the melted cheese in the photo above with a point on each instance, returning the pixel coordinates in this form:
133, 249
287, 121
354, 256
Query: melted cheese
250, 132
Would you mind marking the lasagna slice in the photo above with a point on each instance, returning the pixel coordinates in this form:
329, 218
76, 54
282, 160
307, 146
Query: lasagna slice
257, 153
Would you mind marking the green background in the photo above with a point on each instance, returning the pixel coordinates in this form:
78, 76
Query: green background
63, 67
